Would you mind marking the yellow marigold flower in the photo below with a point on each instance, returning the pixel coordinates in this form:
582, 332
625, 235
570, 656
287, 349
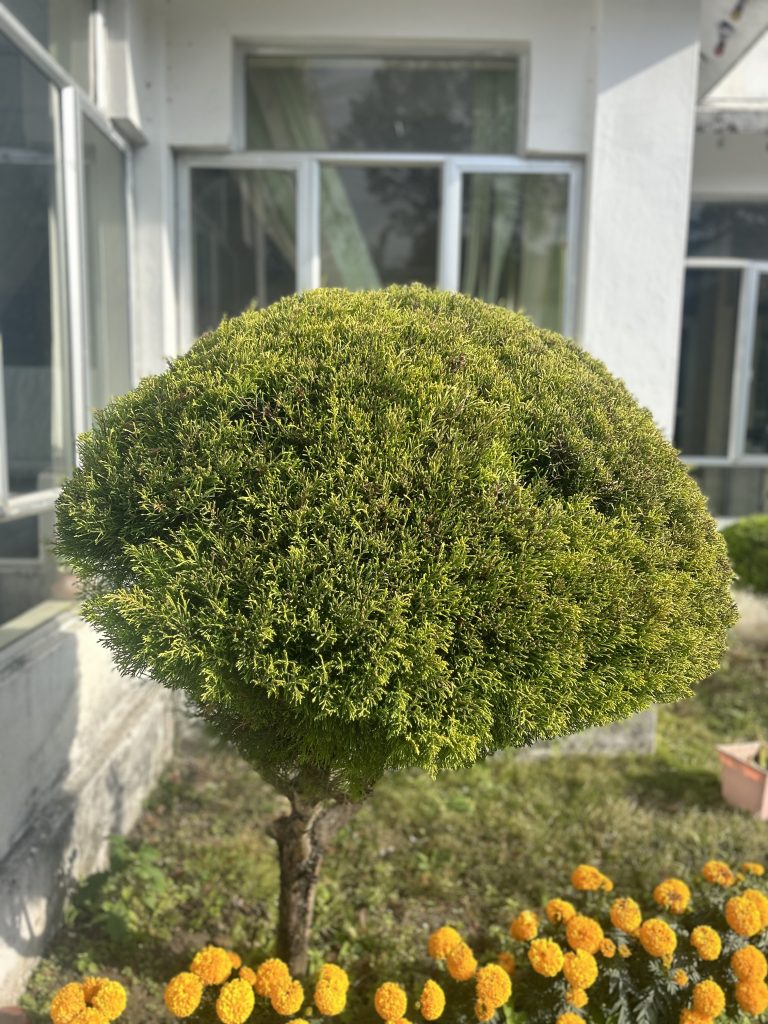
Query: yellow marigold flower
248, 974
525, 926
706, 942
212, 965
584, 933
483, 1010
390, 1001
298, 1020
749, 964
586, 878
608, 948
91, 987
559, 911
626, 915
335, 976
183, 994
752, 996
110, 997
580, 969
624, 950
760, 900
656, 937
271, 976
680, 977
718, 873
431, 1001
569, 1018
461, 963
442, 941
67, 1003
708, 998
673, 895
508, 962
287, 1000
690, 1016
235, 1002
492, 984
545, 957
577, 997
753, 868
742, 916
237, 961
90, 1015
329, 1001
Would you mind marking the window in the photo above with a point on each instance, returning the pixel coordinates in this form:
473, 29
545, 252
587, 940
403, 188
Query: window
63, 28
361, 172
722, 405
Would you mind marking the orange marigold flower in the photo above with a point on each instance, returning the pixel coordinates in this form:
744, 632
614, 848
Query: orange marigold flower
335, 976
431, 1001
608, 948
673, 895
248, 974
545, 957
656, 937
752, 996
67, 1003
461, 963
212, 965
569, 1018
706, 942
110, 998
330, 1001
390, 1001
235, 1002
708, 998
271, 976
680, 977
492, 984
237, 961
442, 941
287, 1001
508, 962
525, 926
580, 969
624, 950
183, 994
559, 911
749, 964
91, 986
587, 878
753, 868
718, 873
584, 933
90, 1015
742, 916
760, 900
576, 997
691, 1016
483, 1010
626, 915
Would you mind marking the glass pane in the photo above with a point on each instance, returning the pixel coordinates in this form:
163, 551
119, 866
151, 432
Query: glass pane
32, 325
28, 571
707, 346
373, 103
734, 491
757, 417
378, 226
109, 361
514, 233
729, 229
244, 237
62, 26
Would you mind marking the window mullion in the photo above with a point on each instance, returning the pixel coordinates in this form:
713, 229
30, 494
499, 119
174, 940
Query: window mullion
449, 255
742, 369
308, 224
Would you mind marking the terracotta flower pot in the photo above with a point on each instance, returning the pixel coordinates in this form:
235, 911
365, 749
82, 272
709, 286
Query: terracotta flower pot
743, 782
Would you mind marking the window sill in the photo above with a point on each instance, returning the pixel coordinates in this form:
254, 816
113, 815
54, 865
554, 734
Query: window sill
35, 617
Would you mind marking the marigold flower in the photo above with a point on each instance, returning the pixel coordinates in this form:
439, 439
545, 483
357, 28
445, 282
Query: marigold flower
90, 1015
608, 948
559, 911
91, 987
287, 1000
248, 974
483, 1010
656, 937
626, 915
545, 957
742, 916
183, 994
67, 1003
569, 1018
752, 996
706, 942
586, 878
212, 965
271, 976
718, 873
680, 977
753, 868
577, 997
235, 1002
584, 933
760, 901
334, 976
431, 1001
508, 962
237, 961
525, 926
492, 984
110, 998
390, 1001
673, 895
331, 990
691, 1016
749, 964
461, 962
442, 941
624, 950
708, 998
580, 969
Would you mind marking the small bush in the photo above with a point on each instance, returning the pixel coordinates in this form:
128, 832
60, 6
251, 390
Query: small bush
747, 542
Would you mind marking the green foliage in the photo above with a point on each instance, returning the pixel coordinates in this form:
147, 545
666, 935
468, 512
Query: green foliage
366, 531
747, 542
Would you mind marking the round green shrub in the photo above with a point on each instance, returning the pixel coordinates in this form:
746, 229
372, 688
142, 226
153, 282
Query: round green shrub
747, 542
374, 530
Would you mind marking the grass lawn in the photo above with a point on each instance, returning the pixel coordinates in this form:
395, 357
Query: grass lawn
469, 849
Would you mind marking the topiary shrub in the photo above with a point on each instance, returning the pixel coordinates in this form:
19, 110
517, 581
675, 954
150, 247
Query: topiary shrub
378, 530
747, 542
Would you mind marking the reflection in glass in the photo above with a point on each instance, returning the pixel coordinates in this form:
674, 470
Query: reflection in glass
757, 416
378, 226
32, 325
706, 361
244, 231
62, 26
377, 104
514, 233
733, 490
737, 229
109, 355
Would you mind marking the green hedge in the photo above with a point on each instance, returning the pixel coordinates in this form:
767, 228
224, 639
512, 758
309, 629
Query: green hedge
747, 542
